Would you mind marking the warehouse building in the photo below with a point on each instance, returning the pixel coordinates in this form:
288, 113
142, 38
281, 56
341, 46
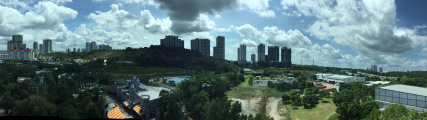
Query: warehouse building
342, 79
412, 97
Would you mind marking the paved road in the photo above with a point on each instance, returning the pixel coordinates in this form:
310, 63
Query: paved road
2, 112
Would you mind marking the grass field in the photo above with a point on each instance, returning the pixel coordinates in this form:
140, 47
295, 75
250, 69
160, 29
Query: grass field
244, 90
325, 109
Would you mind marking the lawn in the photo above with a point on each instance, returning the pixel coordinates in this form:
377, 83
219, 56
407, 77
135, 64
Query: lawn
325, 109
244, 90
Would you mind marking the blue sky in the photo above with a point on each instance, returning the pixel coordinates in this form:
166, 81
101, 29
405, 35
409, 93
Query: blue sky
333, 33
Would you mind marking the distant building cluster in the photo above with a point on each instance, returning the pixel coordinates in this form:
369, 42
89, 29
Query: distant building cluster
374, 68
17, 50
202, 45
89, 47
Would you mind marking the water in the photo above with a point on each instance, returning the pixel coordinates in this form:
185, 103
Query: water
176, 80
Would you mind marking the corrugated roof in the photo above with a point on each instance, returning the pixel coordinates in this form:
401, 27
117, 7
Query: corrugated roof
406, 89
115, 114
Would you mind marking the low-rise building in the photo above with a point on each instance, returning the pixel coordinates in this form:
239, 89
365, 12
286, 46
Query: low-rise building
342, 79
412, 97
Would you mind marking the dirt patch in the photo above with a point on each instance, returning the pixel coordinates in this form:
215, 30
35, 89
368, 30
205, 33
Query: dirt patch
271, 108
248, 106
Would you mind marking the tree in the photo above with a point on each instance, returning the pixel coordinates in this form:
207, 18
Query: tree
236, 108
68, 112
251, 81
285, 98
393, 112
39, 111
92, 111
7, 101
349, 111
373, 115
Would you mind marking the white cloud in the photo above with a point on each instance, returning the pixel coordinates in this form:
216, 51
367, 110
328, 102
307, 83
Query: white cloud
366, 28
248, 43
123, 20
273, 36
46, 15
258, 6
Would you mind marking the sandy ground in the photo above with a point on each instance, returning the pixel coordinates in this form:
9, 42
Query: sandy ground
272, 110
251, 106
152, 91
248, 106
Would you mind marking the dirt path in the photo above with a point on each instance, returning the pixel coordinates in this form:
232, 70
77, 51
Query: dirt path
272, 108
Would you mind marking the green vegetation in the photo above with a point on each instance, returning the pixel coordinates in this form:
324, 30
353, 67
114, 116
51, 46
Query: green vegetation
321, 111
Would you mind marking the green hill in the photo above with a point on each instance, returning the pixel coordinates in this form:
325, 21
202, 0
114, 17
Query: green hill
159, 56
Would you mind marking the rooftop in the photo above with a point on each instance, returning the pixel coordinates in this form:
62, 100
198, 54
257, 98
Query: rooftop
406, 89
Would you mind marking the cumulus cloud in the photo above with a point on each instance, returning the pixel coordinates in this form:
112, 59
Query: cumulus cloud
258, 6
274, 36
248, 43
123, 20
46, 15
366, 28
187, 15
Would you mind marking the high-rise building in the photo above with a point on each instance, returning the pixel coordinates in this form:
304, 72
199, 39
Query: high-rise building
67, 50
201, 45
286, 56
219, 49
241, 54
104, 47
172, 41
47, 44
78, 50
261, 52
87, 47
15, 43
74, 49
18, 41
374, 68
381, 69
273, 53
93, 46
253, 58
35, 45
41, 49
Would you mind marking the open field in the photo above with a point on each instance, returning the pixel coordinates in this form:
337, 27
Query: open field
325, 109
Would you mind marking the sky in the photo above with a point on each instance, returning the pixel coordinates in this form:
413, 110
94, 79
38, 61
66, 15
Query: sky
336, 33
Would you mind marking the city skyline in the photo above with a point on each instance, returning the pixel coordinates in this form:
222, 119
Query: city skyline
355, 38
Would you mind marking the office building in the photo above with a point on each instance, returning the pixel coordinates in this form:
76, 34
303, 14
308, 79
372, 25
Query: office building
241, 54
172, 41
35, 45
67, 50
374, 68
381, 69
253, 58
286, 56
219, 49
412, 97
273, 53
201, 45
74, 49
78, 50
47, 44
261, 52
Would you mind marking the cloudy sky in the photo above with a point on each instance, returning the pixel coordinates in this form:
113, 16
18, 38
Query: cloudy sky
360, 33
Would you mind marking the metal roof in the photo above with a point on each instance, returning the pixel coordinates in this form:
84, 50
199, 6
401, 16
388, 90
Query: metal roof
406, 89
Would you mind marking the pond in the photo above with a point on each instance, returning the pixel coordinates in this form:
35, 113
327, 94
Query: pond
176, 80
